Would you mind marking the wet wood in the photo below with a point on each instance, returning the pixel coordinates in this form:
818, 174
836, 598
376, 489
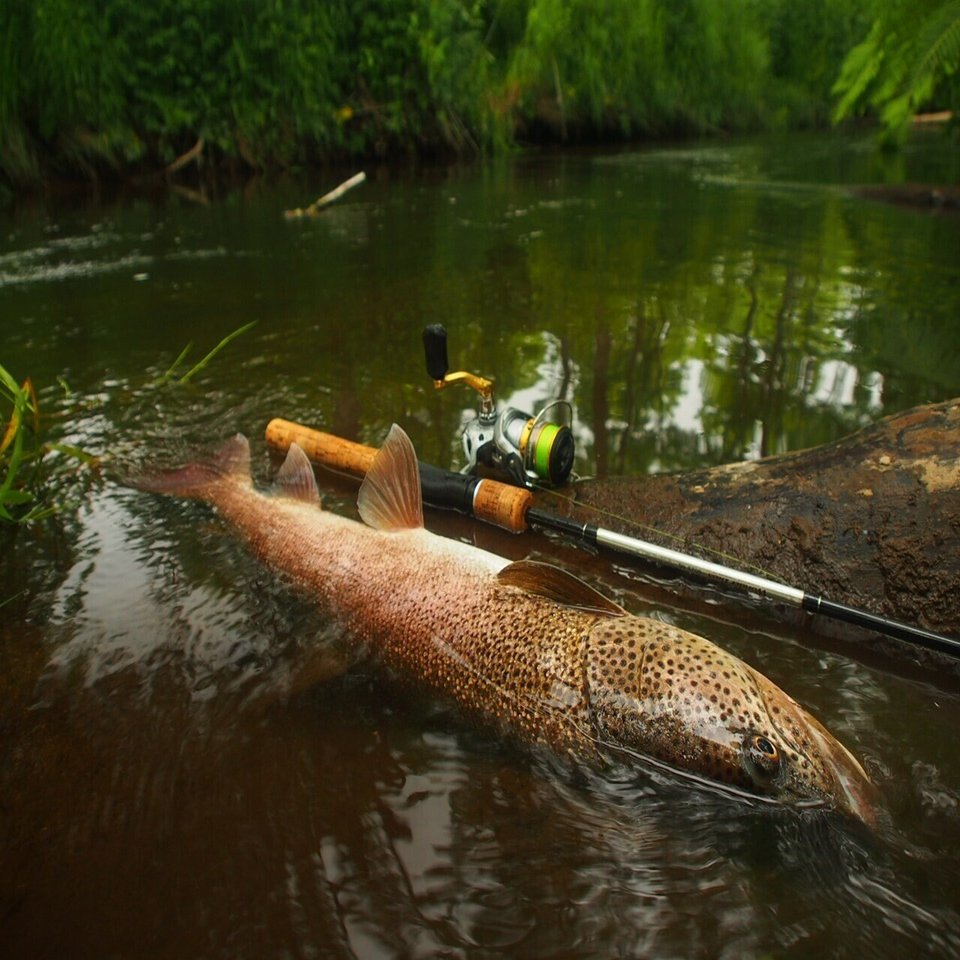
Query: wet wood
872, 520
923, 195
323, 202
185, 158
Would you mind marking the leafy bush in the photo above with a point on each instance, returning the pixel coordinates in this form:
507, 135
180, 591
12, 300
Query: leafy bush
22, 452
94, 84
908, 61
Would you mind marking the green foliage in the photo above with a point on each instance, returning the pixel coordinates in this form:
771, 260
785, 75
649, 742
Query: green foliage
14, 451
22, 452
58, 82
90, 85
908, 62
201, 364
718, 60
25, 444
560, 73
270, 82
640, 66
256, 80
418, 75
808, 42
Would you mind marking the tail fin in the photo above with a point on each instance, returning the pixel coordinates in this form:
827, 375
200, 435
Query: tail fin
198, 480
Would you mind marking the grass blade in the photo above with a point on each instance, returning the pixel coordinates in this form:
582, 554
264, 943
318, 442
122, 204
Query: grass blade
202, 363
176, 363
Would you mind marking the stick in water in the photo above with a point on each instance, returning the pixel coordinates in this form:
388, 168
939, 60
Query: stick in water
335, 194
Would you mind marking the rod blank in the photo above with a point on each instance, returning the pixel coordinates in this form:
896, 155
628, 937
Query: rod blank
793, 596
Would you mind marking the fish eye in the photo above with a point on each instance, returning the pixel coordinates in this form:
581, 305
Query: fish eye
766, 748
762, 757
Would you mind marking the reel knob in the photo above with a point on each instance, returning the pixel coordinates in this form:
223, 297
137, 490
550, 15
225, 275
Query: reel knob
435, 348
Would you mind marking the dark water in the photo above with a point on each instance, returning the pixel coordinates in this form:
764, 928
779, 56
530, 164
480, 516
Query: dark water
171, 785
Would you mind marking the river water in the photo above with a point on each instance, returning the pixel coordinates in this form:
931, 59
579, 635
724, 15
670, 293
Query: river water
172, 781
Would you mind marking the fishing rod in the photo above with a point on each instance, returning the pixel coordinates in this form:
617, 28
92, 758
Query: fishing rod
512, 508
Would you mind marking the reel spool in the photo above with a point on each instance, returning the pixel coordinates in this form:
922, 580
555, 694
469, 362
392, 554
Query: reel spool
522, 448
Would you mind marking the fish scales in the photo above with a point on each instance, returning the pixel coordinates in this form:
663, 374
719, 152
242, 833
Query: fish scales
433, 612
524, 646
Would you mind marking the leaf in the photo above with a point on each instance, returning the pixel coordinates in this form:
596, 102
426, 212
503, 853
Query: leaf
176, 363
13, 428
900, 65
938, 43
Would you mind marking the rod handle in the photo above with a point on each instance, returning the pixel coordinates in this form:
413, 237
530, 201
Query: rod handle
488, 500
503, 505
322, 448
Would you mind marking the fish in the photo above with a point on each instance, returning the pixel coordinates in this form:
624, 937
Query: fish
525, 647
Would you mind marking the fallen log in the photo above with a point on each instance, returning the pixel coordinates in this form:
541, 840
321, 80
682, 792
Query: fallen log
872, 520
921, 195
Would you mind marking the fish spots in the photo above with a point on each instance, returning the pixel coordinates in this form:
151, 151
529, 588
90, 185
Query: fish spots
659, 690
435, 613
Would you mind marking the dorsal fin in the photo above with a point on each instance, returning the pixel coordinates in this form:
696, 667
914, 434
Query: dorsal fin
546, 580
389, 496
295, 479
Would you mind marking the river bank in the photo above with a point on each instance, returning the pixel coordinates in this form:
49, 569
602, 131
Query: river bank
115, 90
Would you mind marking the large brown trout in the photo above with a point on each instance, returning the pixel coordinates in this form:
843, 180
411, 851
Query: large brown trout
524, 645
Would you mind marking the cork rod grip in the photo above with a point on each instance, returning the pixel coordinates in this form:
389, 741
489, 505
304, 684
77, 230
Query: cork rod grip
322, 448
503, 505
488, 500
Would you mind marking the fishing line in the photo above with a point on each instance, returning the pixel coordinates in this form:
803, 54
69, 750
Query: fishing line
647, 528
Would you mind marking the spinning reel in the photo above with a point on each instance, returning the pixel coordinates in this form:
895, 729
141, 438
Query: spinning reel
523, 449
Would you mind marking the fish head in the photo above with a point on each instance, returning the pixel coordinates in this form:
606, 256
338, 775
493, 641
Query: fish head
679, 698
790, 755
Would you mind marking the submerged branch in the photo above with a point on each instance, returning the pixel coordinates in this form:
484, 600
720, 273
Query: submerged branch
185, 158
320, 204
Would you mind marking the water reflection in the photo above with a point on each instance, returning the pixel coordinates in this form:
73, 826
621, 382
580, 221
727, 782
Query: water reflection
688, 321
354, 822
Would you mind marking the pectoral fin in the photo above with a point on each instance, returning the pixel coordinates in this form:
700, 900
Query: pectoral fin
546, 580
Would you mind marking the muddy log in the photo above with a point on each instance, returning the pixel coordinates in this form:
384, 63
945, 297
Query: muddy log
872, 520
922, 195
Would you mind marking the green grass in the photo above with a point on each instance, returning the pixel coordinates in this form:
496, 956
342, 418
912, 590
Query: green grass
24, 448
171, 373
22, 453
19, 453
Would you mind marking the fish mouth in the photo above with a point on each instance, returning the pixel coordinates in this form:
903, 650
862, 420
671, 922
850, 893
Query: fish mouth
847, 786
855, 793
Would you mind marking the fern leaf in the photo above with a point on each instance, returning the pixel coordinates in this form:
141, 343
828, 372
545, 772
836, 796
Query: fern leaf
938, 44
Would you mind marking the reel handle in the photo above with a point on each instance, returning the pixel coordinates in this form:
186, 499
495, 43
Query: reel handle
497, 503
435, 348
